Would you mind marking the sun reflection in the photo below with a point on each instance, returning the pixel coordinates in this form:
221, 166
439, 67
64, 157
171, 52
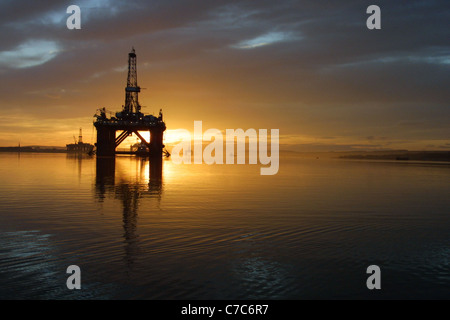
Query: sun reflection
133, 170
170, 171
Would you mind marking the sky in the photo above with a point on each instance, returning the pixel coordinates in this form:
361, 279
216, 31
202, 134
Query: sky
311, 69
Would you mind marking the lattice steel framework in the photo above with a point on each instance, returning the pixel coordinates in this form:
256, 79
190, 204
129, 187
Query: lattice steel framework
132, 89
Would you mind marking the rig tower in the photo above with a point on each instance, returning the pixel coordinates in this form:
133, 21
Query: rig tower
130, 120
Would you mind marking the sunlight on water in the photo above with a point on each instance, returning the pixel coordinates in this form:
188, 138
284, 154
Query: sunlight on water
158, 230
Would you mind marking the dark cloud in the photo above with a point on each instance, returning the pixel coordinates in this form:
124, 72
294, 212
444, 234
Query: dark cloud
307, 67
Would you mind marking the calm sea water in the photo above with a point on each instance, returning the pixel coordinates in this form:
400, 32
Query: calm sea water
141, 230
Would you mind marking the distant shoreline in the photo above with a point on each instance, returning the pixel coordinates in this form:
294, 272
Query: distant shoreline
400, 155
34, 149
391, 155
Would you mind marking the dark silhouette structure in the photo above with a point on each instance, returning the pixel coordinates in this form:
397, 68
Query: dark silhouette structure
79, 146
130, 120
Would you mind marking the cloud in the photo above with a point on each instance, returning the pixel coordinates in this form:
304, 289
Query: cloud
264, 40
29, 54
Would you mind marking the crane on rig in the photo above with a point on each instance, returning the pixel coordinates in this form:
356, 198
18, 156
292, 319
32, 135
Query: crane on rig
79, 146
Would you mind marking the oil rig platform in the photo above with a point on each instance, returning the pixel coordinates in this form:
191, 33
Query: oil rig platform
130, 120
79, 146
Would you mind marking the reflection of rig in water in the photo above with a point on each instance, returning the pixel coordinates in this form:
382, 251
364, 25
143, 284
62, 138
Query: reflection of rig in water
130, 120
130, 194
106, 182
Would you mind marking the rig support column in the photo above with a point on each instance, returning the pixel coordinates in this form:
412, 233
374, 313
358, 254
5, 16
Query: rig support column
106, 141
156, 142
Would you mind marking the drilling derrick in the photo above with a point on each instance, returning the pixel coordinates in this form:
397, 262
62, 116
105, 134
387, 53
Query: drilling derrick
80, 137
129, 121
132, 89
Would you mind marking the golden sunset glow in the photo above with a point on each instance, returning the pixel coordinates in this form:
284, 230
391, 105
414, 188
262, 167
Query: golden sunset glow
230, 157
323, 86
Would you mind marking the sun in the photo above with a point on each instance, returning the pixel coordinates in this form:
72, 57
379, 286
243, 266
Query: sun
170, 136
176, 135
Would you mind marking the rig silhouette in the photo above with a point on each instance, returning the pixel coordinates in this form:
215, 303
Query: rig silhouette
130, 120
